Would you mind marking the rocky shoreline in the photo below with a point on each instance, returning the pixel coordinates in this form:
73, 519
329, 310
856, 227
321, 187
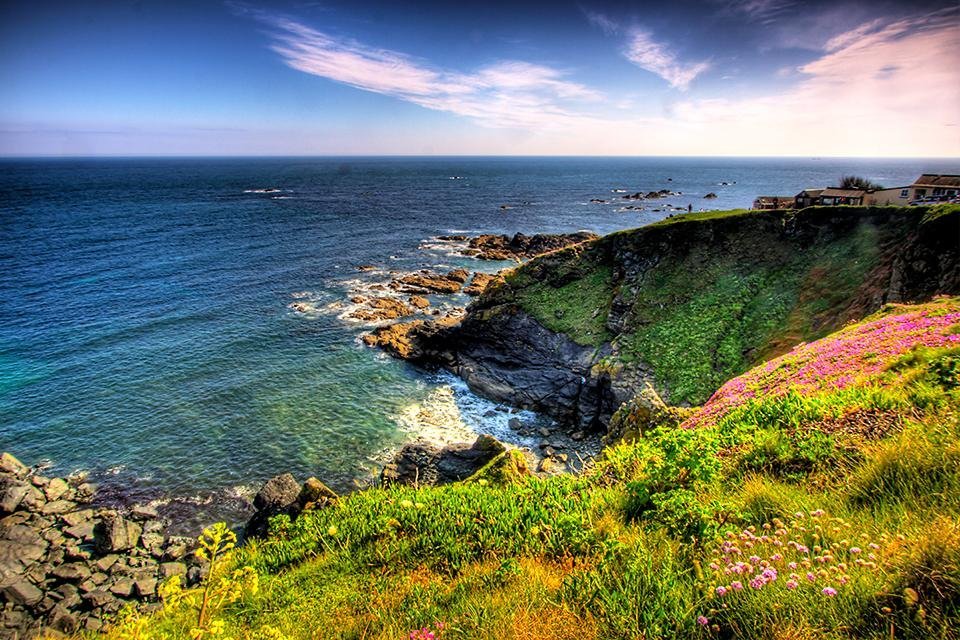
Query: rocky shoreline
67, 565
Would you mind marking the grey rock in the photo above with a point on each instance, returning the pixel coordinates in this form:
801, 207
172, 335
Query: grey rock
277, 496
97, 598
146, 586
170, 569
74, 518
144, 512
9, 464
58, 507
177, 547
152, 542
72, 571
115, 533
12, 497
107, 561
122, 587
62, 620
55, 489
22, 592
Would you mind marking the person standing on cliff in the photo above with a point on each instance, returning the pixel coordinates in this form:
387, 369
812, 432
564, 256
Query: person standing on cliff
689, 208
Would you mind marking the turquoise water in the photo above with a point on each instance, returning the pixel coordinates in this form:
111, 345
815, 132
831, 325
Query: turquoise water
146, 333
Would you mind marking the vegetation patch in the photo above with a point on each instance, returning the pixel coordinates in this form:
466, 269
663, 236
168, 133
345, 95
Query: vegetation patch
578, 308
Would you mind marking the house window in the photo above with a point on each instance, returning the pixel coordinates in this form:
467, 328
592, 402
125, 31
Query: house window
904, 193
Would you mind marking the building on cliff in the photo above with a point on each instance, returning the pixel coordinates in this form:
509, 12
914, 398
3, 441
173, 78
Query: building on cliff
774, 202
938, 186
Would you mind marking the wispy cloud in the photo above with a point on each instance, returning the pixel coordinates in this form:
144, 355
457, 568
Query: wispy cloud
764, 11
608, 25
647, 53
851, 37
506, 94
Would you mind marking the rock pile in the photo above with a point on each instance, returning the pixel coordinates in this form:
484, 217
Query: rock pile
67, 566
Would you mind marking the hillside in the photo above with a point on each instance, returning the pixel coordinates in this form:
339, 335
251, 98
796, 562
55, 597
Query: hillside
817, 496
684, 305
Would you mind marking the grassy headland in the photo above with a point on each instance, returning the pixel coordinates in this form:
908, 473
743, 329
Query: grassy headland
700, 298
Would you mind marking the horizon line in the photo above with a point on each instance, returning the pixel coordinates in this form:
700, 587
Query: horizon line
172, 156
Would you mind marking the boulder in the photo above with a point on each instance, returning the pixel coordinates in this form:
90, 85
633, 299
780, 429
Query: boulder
22, 592
459, 275
314, 493
421, 463
72, 572
382, 309
56, 488
9, 464
13, 496
277, 493
114, 533
278, 496
419, 302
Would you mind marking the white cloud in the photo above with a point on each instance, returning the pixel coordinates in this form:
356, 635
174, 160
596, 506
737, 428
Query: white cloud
879, 89
506, 94
647, 53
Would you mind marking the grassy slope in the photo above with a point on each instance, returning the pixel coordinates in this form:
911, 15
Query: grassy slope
628, 549
716, 305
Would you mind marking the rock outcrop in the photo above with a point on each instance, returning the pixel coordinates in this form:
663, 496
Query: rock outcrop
423, 282
283, 495
520, 246
564, 335
67, 566
422, 464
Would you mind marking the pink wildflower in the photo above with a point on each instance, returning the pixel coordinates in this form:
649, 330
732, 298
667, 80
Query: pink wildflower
703, 621
829, 592
736, 585
791, 584
721, 591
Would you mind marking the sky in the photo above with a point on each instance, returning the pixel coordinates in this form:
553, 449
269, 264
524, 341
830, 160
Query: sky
709, 78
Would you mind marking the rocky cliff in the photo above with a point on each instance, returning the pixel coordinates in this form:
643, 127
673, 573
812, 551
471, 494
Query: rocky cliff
681, 306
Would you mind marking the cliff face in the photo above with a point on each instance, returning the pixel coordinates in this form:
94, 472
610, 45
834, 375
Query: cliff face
682, 306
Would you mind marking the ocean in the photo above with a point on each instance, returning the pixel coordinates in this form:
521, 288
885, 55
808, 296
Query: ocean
146, 332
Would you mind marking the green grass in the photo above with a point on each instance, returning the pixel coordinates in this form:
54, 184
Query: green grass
623, 550
578, 308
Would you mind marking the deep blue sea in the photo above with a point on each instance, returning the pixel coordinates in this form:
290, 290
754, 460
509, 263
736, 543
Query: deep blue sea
145, 327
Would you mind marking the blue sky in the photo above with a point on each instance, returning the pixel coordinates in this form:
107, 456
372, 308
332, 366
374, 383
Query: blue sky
720, 77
